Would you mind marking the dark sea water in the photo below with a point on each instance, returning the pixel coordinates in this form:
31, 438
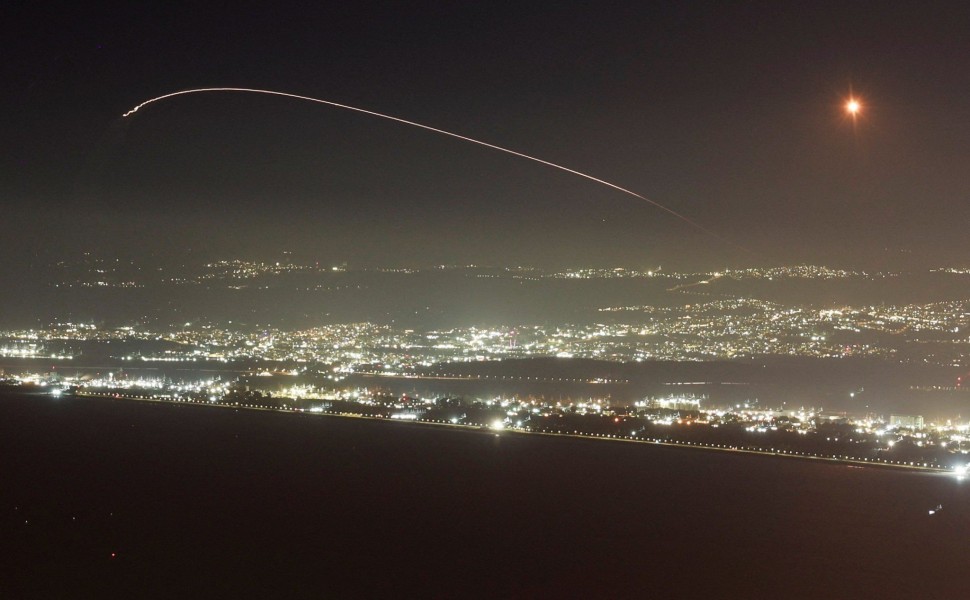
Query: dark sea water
208, 502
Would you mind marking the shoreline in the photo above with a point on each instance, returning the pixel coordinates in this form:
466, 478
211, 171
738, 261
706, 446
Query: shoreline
484, 428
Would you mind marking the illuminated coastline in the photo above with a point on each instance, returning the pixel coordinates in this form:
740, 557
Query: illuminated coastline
903, 441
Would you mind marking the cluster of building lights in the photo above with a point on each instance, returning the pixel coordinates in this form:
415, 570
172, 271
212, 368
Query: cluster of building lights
867, 439
936, 333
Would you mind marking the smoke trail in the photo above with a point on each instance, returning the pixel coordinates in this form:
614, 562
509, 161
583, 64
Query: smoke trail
442, 132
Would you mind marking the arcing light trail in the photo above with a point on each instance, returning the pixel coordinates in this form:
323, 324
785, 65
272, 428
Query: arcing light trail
442, 132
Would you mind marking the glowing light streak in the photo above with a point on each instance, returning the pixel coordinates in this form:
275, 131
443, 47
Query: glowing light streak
442, 132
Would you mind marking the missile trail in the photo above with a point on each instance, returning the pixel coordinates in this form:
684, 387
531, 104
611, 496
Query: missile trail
683, 218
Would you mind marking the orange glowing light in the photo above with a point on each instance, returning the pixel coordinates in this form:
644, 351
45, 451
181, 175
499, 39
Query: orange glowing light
853, 107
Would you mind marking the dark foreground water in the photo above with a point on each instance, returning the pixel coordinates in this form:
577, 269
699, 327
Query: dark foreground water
108, 499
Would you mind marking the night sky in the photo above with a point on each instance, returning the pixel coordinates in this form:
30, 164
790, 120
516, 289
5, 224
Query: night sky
730, 113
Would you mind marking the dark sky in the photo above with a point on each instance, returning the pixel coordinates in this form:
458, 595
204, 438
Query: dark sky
729, 113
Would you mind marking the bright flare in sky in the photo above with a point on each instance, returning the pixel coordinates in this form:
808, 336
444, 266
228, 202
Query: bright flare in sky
853, 107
